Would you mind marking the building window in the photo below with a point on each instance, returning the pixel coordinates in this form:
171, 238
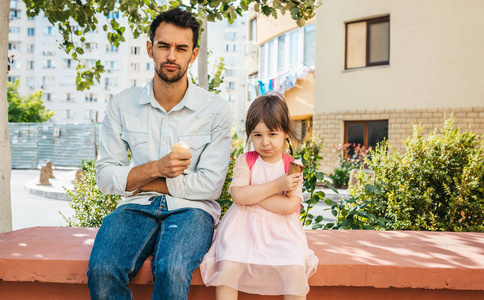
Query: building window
112, 65
309, 45
113, 15
67, 97
31, 82
49, 30
15, 64
69, 114
253, 30
303, 127
48, 97
231, 35
110, 82
135, 50
148, 66
294, 49
30, 65
12, 79
90, 46
230, 86
48, 80
230, 48
30, 48
89, 114
68, 63
231, 60
230, 72
68, 80
14, 30
108, 97
366, 133
271, 59
91, 97
281, 52
14, 14
48, 64
262, 61
135, 67
13, 46
368, 43
111, 49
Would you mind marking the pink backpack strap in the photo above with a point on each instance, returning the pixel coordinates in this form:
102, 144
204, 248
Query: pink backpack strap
250, 158
287, 159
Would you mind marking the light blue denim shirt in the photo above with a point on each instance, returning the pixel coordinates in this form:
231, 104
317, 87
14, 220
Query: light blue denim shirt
134, 120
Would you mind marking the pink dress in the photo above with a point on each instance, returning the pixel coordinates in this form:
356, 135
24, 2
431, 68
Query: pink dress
257, 251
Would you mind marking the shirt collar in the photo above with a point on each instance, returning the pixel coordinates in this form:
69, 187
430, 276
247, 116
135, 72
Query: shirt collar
189, 100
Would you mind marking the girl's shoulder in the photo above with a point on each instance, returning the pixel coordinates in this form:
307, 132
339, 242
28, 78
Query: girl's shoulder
242, 160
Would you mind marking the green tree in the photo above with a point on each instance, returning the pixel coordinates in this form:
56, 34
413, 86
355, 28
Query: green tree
29, 109
66, 15
216, 78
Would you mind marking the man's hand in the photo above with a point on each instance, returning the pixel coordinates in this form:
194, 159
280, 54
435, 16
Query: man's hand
173, 164
289, 182
151, 176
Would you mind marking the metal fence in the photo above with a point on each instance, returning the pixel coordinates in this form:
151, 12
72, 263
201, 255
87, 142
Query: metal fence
34, 144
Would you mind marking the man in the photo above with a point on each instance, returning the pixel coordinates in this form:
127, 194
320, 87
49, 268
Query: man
169, 210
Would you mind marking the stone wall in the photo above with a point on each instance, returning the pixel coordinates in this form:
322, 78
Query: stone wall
331, 125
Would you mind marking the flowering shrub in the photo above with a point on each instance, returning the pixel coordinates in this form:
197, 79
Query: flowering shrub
352, 156
437, 184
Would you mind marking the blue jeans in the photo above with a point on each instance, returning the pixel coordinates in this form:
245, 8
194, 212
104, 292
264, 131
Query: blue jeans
177, 239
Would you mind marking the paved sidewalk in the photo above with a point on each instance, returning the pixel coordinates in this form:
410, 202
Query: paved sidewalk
29, 210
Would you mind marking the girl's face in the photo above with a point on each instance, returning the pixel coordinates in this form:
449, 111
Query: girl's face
268, 143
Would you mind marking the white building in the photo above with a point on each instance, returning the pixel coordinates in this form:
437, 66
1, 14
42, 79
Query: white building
228, 41
40, 64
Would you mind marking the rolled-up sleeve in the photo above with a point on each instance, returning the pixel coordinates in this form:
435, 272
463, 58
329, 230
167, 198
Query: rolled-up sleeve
112, 166
207, 182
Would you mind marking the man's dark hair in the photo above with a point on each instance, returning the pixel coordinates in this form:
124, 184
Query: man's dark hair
180, 18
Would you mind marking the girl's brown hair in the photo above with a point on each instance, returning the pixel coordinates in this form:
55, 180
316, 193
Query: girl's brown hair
271, 109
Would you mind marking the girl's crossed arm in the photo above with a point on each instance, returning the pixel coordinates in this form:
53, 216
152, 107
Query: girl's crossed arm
267, 194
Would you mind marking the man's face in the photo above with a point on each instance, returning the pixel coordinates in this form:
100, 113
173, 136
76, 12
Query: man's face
172, 51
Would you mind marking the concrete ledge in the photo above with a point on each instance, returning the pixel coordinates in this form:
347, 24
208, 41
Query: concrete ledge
352, 264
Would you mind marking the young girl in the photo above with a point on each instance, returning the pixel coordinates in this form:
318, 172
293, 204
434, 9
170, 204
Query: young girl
260, 246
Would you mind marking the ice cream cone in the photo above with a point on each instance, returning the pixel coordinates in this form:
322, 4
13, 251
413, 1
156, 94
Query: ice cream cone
180, 147
294, 167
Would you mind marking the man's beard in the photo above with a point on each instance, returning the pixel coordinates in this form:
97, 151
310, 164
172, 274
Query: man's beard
171, 77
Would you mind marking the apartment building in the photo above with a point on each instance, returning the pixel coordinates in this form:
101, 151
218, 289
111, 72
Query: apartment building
228, 41
281, 57
40, 64
383, 65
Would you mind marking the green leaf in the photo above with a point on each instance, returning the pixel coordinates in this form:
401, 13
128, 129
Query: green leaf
331, 187
319, 175
317, 226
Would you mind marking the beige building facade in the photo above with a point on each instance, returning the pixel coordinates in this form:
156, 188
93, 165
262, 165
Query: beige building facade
383, 65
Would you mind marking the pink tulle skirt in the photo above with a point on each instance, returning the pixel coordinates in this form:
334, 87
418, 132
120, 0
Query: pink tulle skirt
259, 252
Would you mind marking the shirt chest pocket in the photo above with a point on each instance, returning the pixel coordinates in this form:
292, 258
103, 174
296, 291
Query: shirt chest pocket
138, 145
197, 144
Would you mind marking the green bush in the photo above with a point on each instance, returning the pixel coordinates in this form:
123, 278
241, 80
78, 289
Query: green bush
89, 204
351, 156
437, 184
309, 153
225, 199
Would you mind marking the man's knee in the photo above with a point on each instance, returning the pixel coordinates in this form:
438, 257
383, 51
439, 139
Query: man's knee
172, 271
